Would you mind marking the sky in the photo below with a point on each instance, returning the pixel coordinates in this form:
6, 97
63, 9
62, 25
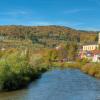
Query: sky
78, 14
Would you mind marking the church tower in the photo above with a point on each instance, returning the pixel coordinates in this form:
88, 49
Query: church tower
99, 38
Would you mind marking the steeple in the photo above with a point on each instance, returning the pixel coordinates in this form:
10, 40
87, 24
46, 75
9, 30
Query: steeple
99, 38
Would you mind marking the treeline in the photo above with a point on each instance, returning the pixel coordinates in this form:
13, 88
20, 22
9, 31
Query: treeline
49, 36
64, 53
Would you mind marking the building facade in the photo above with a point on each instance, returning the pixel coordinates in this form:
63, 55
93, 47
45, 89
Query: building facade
91, 47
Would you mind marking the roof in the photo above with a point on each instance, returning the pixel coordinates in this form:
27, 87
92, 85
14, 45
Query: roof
91, 43
96, 52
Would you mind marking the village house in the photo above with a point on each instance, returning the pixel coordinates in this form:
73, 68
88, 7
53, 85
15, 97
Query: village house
96, 56
91, 51
87, 54
92, 46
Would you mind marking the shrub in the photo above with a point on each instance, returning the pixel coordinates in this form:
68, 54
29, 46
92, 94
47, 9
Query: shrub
92, 69
17, 70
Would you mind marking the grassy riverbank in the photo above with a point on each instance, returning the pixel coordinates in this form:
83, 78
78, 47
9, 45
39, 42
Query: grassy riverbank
92, 69
19, 67
56, 57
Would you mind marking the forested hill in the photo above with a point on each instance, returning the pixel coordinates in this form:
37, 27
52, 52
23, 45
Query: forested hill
47, 35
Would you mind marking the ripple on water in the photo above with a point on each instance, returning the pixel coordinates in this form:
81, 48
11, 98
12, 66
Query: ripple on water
59, 85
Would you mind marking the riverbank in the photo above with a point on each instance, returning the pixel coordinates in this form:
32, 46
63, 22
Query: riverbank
19, 67
92, 69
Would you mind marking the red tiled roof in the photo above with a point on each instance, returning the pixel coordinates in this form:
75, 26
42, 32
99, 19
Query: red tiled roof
96, 52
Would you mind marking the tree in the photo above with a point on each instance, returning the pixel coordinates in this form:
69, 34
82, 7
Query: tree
71, 50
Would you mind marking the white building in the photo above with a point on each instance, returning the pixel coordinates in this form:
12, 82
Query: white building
96, 56
92, 46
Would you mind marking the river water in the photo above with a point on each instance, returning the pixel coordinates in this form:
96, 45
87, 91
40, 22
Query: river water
59, 85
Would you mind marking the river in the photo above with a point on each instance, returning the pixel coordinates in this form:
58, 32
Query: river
58, 85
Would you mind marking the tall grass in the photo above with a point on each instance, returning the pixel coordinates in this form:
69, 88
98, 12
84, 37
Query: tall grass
92, 69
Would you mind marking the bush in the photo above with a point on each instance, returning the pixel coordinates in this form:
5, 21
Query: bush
84, 61
92, 69
16, 69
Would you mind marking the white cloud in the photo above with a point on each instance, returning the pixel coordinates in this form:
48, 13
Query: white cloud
73, 11
13, 13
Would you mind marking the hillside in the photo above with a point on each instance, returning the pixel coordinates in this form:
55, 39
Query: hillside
46, 35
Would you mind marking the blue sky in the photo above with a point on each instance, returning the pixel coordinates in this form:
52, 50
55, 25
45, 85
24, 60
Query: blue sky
79, 14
